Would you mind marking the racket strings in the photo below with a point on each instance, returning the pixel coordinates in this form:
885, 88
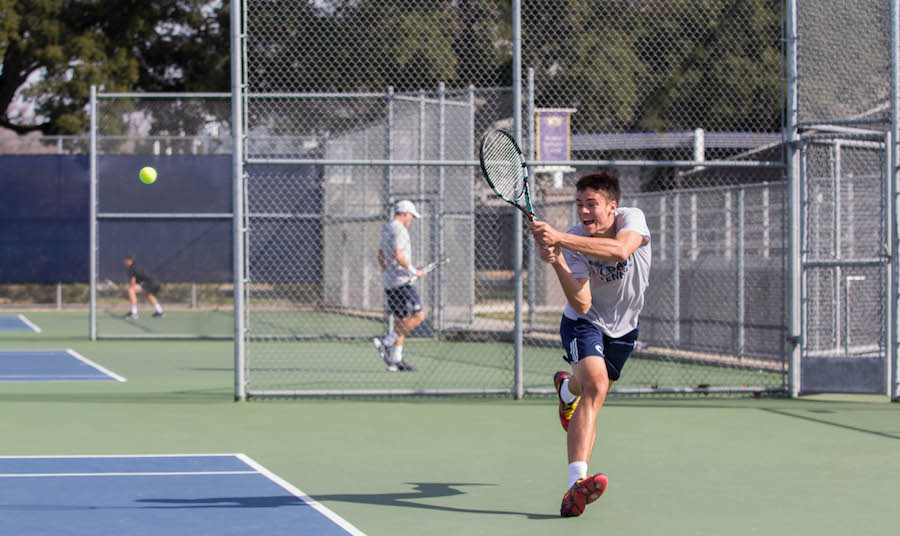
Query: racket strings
503, 167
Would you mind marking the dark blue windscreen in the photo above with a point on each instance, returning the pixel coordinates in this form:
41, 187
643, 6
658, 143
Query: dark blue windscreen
44, 212
44, 218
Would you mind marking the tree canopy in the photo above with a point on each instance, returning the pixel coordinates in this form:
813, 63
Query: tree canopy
625, 64
52, 51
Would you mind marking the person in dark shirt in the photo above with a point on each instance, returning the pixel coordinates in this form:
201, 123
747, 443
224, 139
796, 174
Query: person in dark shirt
139, 281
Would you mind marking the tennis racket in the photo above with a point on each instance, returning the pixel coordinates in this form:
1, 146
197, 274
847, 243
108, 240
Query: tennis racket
432, 266
504, 169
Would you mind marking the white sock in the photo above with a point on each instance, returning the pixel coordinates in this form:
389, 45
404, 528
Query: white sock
577, 470
396, 354
564, 393
134, 309
390, 339
158, 308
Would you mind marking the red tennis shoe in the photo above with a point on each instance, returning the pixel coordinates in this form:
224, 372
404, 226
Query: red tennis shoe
583, 493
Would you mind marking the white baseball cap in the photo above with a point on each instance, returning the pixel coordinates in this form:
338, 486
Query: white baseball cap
406, 206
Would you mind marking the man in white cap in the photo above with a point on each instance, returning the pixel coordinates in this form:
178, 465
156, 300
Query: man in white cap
395, 258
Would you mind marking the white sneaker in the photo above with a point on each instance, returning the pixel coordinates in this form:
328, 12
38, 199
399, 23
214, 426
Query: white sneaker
383, 352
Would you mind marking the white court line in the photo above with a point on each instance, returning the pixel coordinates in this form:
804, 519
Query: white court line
29, 323
45, 376
162, 473
78, 356
54, 456
343, 523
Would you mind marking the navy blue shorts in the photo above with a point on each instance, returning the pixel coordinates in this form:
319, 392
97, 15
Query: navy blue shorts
581, 338
403, 301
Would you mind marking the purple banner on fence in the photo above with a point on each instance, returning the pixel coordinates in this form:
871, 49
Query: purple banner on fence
553, 134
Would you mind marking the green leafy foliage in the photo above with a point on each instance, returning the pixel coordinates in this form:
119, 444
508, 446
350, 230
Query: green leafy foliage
626, 65
52, 51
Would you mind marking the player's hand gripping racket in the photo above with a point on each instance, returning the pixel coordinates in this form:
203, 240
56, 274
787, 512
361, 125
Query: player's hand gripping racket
504, 168
432, 266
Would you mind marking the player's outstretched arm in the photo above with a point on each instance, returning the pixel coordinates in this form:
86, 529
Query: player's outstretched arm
577, 291
381, 262
616, 249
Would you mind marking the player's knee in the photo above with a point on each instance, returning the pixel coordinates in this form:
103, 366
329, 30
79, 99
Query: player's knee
594, 390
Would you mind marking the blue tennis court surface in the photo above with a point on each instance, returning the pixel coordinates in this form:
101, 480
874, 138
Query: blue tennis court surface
51, 365
17, 323
220, 494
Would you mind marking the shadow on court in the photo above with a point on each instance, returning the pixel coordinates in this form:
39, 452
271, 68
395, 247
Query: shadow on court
426, 490
423, 490
806, 410
889, 435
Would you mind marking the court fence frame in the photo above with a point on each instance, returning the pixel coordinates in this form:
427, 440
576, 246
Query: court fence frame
824, 283
145, 223
247, 153
841, 130
798, 136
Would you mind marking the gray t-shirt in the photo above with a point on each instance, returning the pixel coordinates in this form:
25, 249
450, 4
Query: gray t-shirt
395, 236
617, 289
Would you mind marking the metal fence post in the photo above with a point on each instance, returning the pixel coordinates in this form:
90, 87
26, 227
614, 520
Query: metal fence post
676, 268
386, 190
471, 200
420, 187
437, 293
530, 156
836, 244
237, 158
890, 193
792, 140
518, 388
741, 280
92, 224
893, 352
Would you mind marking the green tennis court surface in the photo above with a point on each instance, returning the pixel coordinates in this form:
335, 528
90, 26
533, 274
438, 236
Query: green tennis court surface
220, 323
677, 466
347, 360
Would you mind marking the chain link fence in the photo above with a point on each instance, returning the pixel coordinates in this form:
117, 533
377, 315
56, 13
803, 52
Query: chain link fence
845, 270
660, 68
651, 83
843, 62
178, 229
351, 106
717, 278
845, 173
315, 298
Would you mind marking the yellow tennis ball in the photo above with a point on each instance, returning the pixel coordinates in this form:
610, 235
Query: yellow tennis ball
148, 175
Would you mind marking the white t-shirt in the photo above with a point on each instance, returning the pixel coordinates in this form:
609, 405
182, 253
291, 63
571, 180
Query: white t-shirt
617, 289
395, 236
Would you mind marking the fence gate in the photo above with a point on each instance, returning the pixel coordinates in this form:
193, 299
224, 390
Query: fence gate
844, 266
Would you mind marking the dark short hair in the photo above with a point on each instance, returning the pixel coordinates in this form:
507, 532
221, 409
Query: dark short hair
129, 257
602, 181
